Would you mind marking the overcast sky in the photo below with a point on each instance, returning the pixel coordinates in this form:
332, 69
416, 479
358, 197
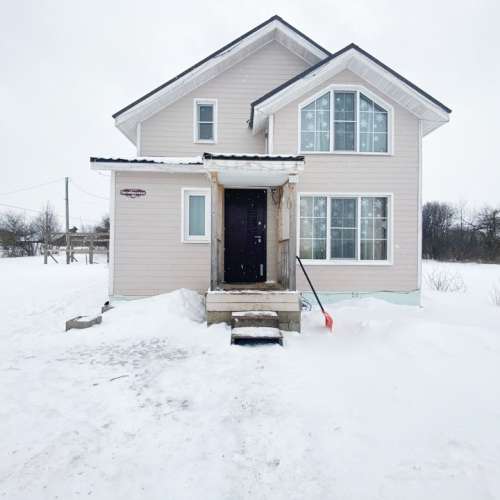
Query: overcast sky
66, 66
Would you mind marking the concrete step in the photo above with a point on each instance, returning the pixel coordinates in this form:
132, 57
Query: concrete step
251, 335
242, 319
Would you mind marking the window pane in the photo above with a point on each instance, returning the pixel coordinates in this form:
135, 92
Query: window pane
380, 207
205, 113
345, 133
365, 104
366, 207
365, 122
336, 248
323, 143
323, 120
380, 229
380, 122
196, 215
323, 103
315, 125
337, 208
380, 143
319, 206
307, 120
206, 131
374, 228
348, 249
306, 228
306, 249
319, 228
380, 250
306, 206
373, 127
367, 250
307, 141
319, 249
367, 229
365, 142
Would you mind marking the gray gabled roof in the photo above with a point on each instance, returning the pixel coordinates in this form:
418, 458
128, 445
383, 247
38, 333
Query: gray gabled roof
215, 54
331, 57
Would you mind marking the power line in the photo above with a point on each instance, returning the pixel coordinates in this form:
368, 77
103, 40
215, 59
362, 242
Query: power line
86, 192
42, 211
30, 187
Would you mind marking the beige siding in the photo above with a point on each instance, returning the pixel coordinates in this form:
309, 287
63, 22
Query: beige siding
149, 255
397, 174
170, 132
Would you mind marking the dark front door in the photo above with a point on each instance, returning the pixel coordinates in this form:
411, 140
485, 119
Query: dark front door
245, 225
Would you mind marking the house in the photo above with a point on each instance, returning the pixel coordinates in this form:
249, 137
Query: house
271, 147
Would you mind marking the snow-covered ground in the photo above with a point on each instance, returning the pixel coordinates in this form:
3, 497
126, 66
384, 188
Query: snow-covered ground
400, 403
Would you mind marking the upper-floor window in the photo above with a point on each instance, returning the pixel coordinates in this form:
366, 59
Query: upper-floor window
205, 120
344, 120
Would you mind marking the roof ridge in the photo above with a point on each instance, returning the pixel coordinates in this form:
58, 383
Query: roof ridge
275, 17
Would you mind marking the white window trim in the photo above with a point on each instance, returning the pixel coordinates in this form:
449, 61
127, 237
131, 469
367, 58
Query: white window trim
196, 191
197, 101
350, 262
348, 88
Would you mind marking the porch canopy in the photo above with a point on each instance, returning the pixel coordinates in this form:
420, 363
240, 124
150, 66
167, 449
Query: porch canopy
274, 172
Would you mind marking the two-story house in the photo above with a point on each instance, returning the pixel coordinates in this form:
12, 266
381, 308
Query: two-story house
272, 147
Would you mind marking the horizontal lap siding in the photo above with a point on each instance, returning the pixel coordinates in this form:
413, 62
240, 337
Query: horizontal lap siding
149, 255
170, 132
397, 174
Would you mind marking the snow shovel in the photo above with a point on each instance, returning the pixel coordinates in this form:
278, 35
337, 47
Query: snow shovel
328, 318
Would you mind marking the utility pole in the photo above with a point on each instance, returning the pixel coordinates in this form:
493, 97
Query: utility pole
68, 256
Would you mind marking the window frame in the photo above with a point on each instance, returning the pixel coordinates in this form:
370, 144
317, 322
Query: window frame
198, 101
357, 89
357, 261
186, 192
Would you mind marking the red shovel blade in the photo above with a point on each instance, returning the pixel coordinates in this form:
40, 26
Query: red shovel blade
328, 321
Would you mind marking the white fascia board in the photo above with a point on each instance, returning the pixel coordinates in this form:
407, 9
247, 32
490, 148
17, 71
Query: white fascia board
291, 167
115, 166
386, 83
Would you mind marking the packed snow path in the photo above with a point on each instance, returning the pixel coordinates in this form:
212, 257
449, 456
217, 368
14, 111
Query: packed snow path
401, 402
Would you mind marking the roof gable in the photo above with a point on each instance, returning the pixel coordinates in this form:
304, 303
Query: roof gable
431, 111
274, 28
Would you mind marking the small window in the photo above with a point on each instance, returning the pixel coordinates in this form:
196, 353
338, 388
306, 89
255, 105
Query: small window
205, 121
196, 215
373, 228
372, 126
343, 225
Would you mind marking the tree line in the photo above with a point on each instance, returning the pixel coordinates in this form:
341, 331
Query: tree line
454, 233
22, 236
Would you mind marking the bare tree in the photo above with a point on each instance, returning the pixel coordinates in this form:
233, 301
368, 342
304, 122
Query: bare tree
46, 224
17, 235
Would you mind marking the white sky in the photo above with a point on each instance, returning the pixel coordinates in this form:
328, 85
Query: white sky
66, 66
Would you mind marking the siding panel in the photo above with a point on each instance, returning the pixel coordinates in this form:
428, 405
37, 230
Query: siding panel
170, 132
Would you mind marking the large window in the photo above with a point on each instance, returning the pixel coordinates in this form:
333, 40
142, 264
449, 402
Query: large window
205, 120
195, 215
344, 228
354, 123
